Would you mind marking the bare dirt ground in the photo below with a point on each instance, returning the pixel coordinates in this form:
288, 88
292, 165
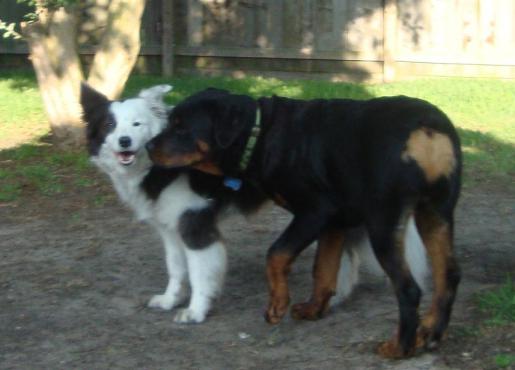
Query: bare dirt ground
75, 278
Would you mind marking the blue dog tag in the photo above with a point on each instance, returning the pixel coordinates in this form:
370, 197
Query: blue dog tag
232, 183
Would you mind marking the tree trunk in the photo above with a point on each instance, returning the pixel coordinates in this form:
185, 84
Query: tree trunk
53, 52
52, 41
119, 48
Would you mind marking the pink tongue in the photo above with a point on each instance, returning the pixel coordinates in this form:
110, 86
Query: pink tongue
126, 156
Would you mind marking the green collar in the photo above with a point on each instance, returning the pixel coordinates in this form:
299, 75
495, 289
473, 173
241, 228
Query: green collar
251, 142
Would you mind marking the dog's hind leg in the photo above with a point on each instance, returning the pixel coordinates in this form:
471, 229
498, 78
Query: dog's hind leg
436, 229
176, 267
387, 228
325, 273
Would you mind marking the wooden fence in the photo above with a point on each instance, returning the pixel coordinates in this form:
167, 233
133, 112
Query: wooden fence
362, 40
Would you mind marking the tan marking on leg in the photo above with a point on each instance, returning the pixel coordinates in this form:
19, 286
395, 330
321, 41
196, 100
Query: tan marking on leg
325, 274
277, 270
433, 152
438, 242
391, 349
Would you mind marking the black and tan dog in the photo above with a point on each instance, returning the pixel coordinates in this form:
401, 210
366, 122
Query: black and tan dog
336, 164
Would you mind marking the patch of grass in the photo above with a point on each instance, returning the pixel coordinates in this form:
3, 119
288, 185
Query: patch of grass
504, 360
22, 117
467, 331
499, 303
42, 169
100, 200
9, 191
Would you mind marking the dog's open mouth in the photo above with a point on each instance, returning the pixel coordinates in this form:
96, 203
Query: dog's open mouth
126, 158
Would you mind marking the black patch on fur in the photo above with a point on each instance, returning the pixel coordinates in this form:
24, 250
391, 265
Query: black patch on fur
99, 122
198, 228
157, 179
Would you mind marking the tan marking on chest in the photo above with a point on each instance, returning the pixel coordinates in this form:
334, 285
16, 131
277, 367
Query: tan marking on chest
432, 151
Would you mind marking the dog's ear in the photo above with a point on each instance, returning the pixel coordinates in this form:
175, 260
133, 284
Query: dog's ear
154, 97
91, 100
95, 110
155, 92
233, 114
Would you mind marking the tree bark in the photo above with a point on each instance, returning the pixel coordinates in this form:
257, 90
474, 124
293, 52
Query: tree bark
53, 52
52, 42
119, 48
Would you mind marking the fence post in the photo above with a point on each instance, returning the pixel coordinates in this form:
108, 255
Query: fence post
389, 39
167, 49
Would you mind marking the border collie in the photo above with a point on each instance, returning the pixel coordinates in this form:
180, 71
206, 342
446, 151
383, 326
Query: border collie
117, 132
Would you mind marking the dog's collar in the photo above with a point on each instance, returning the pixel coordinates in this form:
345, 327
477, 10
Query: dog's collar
251, 142
234, 183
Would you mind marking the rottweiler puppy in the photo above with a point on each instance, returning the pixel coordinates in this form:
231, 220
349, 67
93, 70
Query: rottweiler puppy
336, 164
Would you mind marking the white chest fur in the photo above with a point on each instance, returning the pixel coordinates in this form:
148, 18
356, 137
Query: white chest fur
166, 210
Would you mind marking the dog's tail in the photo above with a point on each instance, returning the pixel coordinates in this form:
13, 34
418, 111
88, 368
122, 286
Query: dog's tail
358, 250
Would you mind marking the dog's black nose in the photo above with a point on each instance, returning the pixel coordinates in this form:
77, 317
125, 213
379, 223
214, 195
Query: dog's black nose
125, 141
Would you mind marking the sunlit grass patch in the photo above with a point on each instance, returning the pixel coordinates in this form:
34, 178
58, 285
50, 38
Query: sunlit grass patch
22, 117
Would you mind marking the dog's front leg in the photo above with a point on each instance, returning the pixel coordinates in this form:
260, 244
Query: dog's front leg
176, 267
301, 232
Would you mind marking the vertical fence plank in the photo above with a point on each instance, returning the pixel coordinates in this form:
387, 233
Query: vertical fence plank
194, 23
389, 39
167, 50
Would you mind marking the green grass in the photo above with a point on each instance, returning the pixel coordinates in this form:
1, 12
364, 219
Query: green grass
504, 360
483, 111
44, 171
499, 303
22, 116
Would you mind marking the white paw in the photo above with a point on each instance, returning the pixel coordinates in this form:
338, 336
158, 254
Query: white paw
188, 316
163, 301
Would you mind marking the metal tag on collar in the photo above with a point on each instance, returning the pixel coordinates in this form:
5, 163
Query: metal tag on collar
232, 183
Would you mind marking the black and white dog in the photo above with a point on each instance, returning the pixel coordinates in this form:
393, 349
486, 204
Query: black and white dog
117, 132
183, 205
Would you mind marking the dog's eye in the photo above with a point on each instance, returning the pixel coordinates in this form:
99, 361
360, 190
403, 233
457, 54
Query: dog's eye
135, 124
